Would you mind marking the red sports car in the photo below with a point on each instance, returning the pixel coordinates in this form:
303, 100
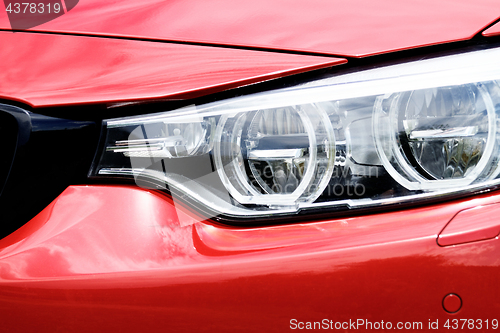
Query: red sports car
249, 165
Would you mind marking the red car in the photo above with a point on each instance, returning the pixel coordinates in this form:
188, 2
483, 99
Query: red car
250, 166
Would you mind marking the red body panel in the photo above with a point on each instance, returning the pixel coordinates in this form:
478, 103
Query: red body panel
350, 28
493, 30
76, 70
472, 225
121, 258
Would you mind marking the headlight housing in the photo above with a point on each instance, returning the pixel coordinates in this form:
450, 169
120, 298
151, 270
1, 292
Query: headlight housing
393, 134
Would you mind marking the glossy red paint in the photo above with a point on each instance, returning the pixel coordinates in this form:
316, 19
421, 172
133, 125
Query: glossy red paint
452, 303
122, 258
472, 225
77, 70
355, 28
492, 31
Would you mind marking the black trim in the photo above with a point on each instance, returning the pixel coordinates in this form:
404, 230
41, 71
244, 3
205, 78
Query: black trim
15, 130
49, 155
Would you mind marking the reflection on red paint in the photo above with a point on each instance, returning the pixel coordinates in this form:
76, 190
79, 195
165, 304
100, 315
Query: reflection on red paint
117, 257
354, 28
76, 70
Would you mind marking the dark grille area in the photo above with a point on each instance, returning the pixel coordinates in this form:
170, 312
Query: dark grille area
40, 157
8, 140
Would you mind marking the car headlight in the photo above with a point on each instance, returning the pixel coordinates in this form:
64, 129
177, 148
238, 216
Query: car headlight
399, 133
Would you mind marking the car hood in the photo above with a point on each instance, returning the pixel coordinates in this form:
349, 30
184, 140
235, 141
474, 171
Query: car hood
353, 28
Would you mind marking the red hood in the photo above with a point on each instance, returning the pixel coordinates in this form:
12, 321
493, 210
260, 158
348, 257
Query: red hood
338, 27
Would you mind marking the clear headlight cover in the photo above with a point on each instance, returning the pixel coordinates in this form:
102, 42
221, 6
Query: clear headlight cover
398, 133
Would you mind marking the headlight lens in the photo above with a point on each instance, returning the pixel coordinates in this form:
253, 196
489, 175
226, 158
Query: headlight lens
278, 156
397, 133
438, 138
